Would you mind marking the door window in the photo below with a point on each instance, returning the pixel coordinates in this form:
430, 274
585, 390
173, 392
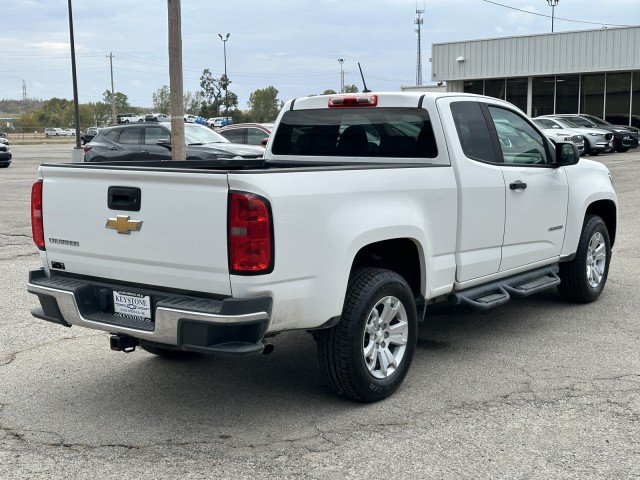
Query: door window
153, 134
521, 144
130, 136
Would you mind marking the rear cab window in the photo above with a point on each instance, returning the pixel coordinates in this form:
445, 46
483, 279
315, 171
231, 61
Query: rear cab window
381, 132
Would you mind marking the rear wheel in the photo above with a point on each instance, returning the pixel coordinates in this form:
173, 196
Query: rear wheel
584, 277
366, 356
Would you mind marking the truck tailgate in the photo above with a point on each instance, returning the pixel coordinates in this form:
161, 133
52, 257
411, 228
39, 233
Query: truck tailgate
181, 242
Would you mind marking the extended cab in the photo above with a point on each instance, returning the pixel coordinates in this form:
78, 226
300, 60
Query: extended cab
366, 210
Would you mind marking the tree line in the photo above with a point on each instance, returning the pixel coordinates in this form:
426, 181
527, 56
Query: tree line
214, 99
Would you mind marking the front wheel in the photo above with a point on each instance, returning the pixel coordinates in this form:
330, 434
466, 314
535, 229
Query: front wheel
583, 278
366, 356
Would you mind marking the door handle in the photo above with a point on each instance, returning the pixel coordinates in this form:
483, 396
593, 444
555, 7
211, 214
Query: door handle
517, 185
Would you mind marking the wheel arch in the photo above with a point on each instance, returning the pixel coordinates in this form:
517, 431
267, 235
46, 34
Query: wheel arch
605, 209
401, 255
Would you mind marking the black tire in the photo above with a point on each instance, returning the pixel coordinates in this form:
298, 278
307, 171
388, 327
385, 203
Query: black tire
168, 353
342, 350
583, 278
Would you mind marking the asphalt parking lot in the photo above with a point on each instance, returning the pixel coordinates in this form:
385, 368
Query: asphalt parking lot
536, 389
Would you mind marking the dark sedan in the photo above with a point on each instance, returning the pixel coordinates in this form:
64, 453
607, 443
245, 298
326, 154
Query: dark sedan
624, 138
5, 155
152, 141
249, 133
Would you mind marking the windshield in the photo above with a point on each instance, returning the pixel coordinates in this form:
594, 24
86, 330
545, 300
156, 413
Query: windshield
567, 123
195, 134
598, 121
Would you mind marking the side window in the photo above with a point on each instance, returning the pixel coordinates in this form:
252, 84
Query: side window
473, 131
255, 136
236, 135
112, 135
521, 144
153, 134
130, 136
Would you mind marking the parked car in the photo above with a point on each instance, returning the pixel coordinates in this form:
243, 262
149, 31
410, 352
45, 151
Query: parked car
249, 133
3, 139
88, 135
129, 118
188, 118
54, 132
218, 122
152, 141
70, 132
624, 119
596, 141
156, 117
5, 155
556, 136
624, 138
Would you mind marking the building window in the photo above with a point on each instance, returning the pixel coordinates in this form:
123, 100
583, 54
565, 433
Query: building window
592, 95
635, 100
618, 94
543, 90
474, 86
517, 92
567, 93
495, 88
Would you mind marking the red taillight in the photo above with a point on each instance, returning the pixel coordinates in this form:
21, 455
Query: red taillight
354, 101
86, 148
37, 228
250, 234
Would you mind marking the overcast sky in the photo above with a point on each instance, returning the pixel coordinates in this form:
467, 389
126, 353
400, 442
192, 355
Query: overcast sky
293, 45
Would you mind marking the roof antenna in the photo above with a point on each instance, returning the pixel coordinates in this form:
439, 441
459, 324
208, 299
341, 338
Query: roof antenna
366, 90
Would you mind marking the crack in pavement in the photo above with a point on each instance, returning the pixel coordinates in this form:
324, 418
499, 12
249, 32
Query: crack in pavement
13, 257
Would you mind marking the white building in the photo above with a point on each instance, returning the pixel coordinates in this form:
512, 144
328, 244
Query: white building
594, 71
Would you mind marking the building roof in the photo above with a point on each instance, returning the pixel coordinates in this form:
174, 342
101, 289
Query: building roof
601, 50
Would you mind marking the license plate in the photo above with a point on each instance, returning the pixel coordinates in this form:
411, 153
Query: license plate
132, 305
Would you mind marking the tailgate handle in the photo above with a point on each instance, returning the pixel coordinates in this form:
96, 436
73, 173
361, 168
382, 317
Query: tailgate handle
124, 198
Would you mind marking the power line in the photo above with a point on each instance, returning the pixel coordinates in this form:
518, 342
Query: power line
557, 18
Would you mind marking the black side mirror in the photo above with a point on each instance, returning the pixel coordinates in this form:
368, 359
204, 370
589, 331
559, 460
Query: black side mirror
264, 141
566, 154
165, 142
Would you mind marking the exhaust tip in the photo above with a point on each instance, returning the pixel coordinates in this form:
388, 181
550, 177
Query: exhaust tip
268, 348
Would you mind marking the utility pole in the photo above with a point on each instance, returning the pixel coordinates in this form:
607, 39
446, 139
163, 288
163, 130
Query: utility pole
341, 61
418, 22
76, 105
113, 92
226, 80
552, 4
24, 92
178, 150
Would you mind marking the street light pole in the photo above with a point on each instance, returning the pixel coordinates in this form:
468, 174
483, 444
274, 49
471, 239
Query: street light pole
226, 80
341, 61
552, 4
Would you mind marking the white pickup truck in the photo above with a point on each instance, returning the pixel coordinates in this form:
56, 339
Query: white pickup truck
366, 210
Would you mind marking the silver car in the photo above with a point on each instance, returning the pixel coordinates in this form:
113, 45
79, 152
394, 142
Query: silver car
557, 135
595, 140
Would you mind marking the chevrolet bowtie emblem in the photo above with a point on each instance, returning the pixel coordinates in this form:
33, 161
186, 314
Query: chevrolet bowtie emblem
123, 225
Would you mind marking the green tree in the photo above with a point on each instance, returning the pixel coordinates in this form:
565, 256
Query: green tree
350, 89
264, 104
162, 100
329, 92
121, 100
213, 95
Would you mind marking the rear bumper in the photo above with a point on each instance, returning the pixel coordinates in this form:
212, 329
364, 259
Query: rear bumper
228, 326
